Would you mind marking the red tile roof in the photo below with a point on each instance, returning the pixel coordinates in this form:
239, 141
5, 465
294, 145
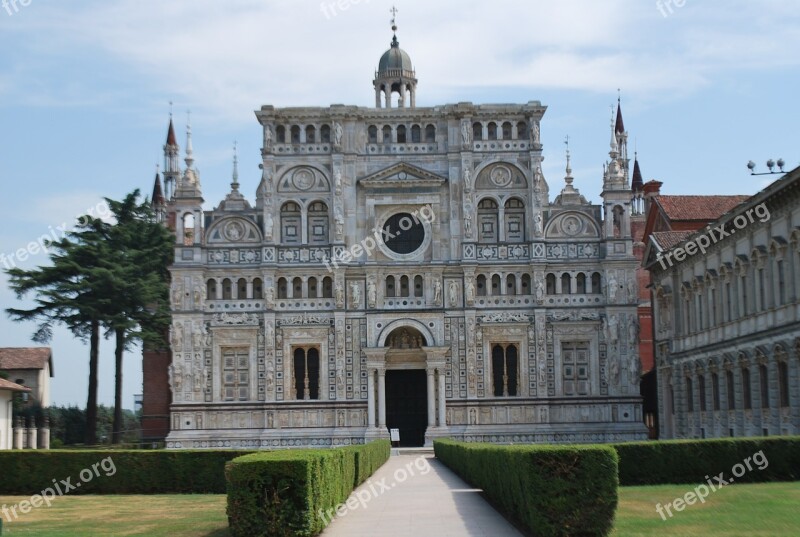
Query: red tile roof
668, 239
703, 208
25, 357
10, 386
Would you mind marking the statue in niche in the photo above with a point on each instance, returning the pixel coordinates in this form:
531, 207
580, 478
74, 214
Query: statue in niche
437, 292
465, 133
538, 223
338, 132
270, 299
339, 294
633, 332
267, 137
270, 420
613, 370
467, 180
372, 294
542, 371
205, 377
197, 336
635, 369
269, 224
337, 182
539, 288
340, 418
613, 329
536, 133
176, 375
198, 293
473, 416
177, 335
470, 292
453, 293
355, 295
632, 295
339, 220
472, 377
177, 295
467, 224
269, 333
611, 288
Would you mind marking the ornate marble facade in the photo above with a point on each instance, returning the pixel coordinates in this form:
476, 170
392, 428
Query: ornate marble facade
289, 315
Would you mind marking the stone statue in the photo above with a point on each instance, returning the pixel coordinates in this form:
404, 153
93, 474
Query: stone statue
270, 298
467, 224
613, 370
269, 224
267, 137
613, 329
269, 333
542, 368
355, 295
611, 289
339, 223
177, 375
197, 336
633, 332
465, 134
470, 292
205, 377
635, 369
372, 294
538, 223
453, 293
177, 295
337, 182
632, 295
437, 292
338, 131
467, 180
536, 133
177, 336
539, 288
339, 295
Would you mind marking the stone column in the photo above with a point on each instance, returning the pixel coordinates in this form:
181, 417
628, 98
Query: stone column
442, 418
371, 398
431, 401
382, 398
44, 434
18, 434
32, 437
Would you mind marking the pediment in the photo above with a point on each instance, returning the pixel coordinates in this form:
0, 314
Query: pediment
402, 175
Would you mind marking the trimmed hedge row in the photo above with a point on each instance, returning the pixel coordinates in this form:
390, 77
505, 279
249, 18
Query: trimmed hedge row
115, 471
549, 490
287, 493
689, 461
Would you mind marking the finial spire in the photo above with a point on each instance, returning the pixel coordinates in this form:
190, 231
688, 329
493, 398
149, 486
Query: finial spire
614, 145
189, 149
235, 183
393, 11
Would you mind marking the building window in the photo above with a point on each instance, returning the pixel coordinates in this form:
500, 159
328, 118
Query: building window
297, 288
311, 134
713, 309
764, 381
728, 302
582, 283
306, 373
550, 283
747, 397
492, 131
731, 390
566, 284
596, 289
372, 134
511, 284
743, 287
506, 131
401, 134
481, 284
430, 133
312, 288
404, 233
495, 285
575, 360
318, 223
522, 130
477, 131
418, 286
211, 289
236, 374
515, 220
783, 381
387, 134
325, 134
526, 284
404, 291
762, 290
505, 367
781, 276
390, 287
283, 288
291, 232
295, 134
416, 134
227, 289
280, 134
701, 384
487, 220
689, 394
241, 287
327, 287
715, 390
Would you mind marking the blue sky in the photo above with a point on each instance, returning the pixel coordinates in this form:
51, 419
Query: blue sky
85, 87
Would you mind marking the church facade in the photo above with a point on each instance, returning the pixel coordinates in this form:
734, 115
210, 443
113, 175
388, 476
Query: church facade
402, 267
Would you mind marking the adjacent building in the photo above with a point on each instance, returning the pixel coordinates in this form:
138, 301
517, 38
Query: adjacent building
400, 267
31, 367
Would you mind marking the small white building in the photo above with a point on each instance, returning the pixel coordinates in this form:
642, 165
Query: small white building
31, 367
7, 391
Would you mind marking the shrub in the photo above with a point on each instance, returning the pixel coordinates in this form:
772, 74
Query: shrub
287, 493
689, 461
549, 490
128, 472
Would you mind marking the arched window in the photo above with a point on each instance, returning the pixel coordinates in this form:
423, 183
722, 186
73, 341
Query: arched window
526, 284
582, 284
318, 223
188, 229
390, 286
747, 397
325, 134
430, 133
295, 134
731, 389
311, 134
280, 134
418, 286
416, 133
689, 394
617, 215
492, 130
306, 373
403, 285
566, 284
291, 232
701, 385
496, 285
515, 220
283, 288
477, 131
372, 134
401, 134
481, 284
297, 288
211, 289
487, 220
522, 130
551, 283
227, 289
505, 370
506, 130
783, 383
312, 287
764, 382
327, 287
596, 288
241, 289
387, 134
258, 288
715, 391
511, 284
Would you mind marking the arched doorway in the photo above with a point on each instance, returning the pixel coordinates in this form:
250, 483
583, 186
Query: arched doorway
406, 385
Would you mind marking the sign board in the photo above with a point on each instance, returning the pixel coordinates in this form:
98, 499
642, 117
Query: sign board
394, 434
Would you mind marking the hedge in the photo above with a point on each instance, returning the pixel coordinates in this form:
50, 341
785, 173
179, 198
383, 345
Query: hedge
28, 472
288, 493
689, 461
548, 490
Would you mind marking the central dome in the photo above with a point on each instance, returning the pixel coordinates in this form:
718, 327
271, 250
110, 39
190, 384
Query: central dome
395, 59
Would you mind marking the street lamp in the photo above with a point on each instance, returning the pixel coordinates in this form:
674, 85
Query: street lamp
770, 164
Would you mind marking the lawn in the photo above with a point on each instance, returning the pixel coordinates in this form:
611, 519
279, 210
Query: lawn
768, 510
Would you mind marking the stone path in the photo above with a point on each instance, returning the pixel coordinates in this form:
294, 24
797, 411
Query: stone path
418, 496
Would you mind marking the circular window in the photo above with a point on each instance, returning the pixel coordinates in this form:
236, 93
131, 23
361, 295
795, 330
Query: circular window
403, 233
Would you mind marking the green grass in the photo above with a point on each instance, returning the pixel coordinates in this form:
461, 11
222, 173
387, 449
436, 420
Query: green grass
760, 510
753, 510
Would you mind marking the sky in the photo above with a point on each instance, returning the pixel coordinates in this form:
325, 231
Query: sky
86, 86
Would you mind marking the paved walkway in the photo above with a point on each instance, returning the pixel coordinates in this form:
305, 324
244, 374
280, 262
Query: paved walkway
418, 496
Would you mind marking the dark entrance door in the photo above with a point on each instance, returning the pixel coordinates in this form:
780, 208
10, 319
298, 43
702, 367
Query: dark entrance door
407, 405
